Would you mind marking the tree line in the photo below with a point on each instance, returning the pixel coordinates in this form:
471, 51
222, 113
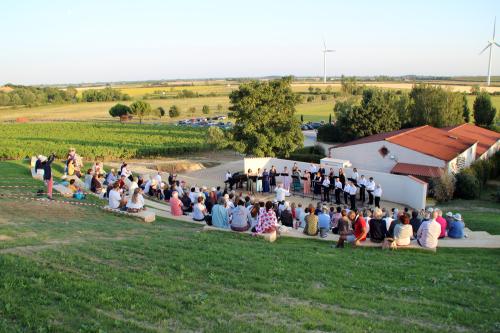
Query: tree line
386, 110
34, 96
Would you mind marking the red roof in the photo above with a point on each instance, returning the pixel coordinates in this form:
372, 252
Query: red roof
417, 170
485, 138
425, 139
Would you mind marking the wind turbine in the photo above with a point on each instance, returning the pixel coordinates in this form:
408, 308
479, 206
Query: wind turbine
490, 45
325, 51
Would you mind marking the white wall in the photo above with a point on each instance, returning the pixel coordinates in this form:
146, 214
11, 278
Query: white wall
491, 151
366, 156
405, 190
469, 155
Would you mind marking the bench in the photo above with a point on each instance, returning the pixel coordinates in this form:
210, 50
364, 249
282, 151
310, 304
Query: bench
413, 245
145, 215
270, 237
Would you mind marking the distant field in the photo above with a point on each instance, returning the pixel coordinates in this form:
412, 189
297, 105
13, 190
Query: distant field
99, 140
169, 91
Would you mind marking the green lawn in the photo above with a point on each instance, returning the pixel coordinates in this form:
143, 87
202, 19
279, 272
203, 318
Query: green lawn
71, 268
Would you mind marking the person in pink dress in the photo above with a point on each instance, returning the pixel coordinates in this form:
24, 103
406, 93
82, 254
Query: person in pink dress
175, 204
307, 183
442, 222
267, 220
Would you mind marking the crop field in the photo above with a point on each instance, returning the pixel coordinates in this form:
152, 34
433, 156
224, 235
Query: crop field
99, 140
68, 268
135, 92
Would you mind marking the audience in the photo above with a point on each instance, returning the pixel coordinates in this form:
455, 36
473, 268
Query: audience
176, 206
239, 221
359, 234
428, 233
311, 222
378, 229
220, 215
457, 227
442, 222
415, 222
324, 222
199, 210
136, 201
267, 220
403, 231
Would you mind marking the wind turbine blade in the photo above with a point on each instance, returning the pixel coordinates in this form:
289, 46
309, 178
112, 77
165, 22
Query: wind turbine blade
489, 44
497, 44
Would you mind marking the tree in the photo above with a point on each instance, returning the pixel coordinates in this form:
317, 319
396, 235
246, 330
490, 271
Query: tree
140, 109
475, 89
330, 118
435, 106
205, 109
192, 110
465, 109
174, 112
317, 90
160, 112
301, 118
119, 110
216, 137
265, 119
219, 108
311, 89
484, 112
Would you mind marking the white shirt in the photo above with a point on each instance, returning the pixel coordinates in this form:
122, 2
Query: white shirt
355, 176
362, 181
326, 182
147, 186
370, 185
138, 205
353, 190
313, 169
194, 196
198, 211
131, 190
347, 188
338, 184
280, 194
125, 172
377, 192
115, 198
158, 178
228, 175
428, 234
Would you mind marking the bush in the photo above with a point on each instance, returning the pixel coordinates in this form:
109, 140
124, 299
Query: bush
174, 111
308, 154
444, 187
331, 133
310, 99
467, 185
205, 109
324, 97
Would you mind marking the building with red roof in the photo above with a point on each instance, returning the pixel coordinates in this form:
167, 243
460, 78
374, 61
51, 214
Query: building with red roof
488, 142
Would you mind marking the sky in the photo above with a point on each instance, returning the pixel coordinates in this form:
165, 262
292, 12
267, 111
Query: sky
76, 41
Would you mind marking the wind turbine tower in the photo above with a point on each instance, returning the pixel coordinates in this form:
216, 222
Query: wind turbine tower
490, 45
325, 51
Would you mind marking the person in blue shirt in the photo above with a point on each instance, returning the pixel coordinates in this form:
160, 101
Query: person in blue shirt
456, 227
324, 222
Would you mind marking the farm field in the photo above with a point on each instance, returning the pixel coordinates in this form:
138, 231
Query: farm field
72, 268
99, 140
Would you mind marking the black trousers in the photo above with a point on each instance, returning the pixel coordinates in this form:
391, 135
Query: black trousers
377, 202
337, 195
353, 201
370, 197
346, 198
326, 193
362, 196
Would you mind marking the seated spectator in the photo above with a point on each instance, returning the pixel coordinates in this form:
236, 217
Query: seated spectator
88, 179
449, 220
415, 222
335, 220
95, 184
344, 224
267, 220
176, 204
72, 187
239, 221
286, 217
442, 222
378, 230
199, 210
359, 234
211, 199
220, 216
187, 203
428, 233
390, 222
324, 222
110, 177
311, 227
133, 186
253, 215
403, 231
136, 202
167, 193
300, 215
457, 227
115, 198
121, 182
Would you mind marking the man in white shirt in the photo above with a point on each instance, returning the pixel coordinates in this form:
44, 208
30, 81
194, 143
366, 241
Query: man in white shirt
326, 189
347, 193
377, 193
354, 176
370, 187
428, 233
158, 178
280, 193
338, 190
352, 195
362, 185
193, 195
115, 200
313, 169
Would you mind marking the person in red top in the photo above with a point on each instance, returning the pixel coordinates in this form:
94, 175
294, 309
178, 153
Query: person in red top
360, 230
442, 222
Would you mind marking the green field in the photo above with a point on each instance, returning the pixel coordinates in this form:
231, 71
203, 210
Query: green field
72, 268
99, 140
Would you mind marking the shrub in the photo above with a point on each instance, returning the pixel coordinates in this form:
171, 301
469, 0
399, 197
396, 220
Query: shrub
308, 154
324, 97
444, 187
174, 111
484, 112
205, 109
467, 185
331, 133
310, 99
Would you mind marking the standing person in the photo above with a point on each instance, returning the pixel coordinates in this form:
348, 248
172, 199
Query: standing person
352, 194
317, 185
362, 185
47, 174
259, 181
347, 193
338, 190
326, 189
377, 194
250, 176
286, 179
370, 187
280, 193
354, 176
342, 177
296, 179
266, 187
428, 233
307, 183
272, 175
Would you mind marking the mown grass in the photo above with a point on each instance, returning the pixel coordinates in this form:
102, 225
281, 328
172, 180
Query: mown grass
78, 269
